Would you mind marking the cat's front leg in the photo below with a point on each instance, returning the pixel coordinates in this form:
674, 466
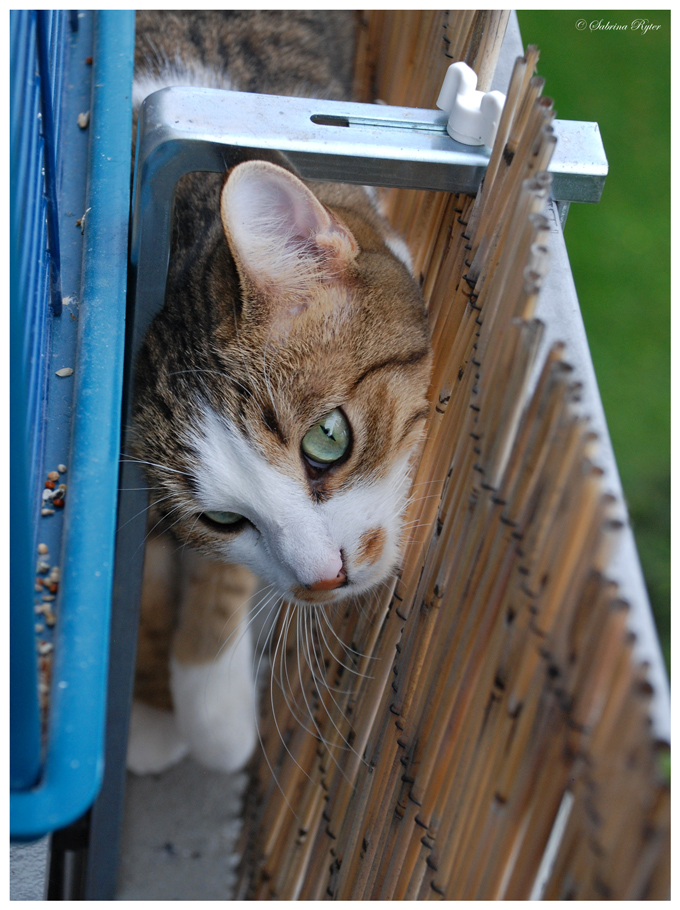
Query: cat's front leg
154, 742
211, 665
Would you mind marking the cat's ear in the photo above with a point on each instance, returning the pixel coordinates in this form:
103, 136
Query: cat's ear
280, 234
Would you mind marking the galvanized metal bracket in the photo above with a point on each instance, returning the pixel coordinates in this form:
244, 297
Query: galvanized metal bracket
199, 129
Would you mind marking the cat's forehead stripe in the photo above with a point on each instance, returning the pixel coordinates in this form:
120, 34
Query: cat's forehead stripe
421, 414
394, 362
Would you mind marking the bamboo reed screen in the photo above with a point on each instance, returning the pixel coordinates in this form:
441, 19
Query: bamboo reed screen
493, 687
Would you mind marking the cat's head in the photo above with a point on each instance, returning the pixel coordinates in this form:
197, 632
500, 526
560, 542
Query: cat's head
282, 421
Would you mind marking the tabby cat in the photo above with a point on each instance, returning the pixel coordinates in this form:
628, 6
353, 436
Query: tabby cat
279, 395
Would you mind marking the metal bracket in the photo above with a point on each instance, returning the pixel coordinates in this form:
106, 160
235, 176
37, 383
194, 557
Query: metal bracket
199, 129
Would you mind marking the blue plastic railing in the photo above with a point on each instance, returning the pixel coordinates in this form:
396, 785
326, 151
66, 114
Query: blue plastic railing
49, 789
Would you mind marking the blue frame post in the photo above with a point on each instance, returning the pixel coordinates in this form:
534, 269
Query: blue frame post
74, 764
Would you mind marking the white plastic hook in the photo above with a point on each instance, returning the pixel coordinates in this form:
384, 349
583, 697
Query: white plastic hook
473, 116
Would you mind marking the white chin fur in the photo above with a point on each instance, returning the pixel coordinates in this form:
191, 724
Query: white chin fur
215, 707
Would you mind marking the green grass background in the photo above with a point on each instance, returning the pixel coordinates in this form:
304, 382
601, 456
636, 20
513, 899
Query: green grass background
620, 250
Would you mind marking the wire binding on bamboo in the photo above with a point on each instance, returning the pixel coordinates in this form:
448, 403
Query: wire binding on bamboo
434, 734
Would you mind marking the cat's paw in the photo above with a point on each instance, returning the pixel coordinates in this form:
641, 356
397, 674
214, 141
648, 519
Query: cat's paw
215, 707
154, 742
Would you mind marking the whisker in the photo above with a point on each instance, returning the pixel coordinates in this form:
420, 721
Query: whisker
253, 614
152, 529
293, 708
415, 499
244, 631
315, 648
257, 726
269, 631
146, 508
320, 610
271, 696
310, 649
137, 489
309, 710
128, 459
425, 483
351, 669
189, 531
349, 692
321, 737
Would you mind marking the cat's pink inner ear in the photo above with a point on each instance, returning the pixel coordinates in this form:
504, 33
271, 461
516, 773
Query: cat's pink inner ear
280, 233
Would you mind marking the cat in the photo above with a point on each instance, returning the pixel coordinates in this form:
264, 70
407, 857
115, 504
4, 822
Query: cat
279, 396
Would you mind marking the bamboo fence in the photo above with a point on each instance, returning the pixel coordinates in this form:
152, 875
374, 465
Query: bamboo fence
483, 731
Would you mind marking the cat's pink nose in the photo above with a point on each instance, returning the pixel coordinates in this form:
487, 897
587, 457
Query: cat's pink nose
328, 584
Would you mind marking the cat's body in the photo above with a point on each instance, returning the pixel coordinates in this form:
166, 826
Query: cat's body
279, 396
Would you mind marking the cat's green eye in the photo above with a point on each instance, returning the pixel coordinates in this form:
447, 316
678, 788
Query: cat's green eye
328, 440
223, 518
